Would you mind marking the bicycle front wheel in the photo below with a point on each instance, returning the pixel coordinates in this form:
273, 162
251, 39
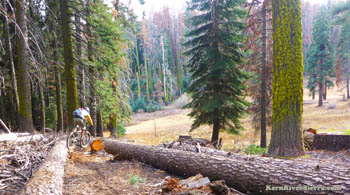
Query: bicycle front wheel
84, 141
72, 139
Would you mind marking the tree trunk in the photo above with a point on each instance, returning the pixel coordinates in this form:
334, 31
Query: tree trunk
147, 79
313, 94
331, 142
113, 125
325, 90
320, 94
99, 124
263, 81
215, 135
287, 89
10, 57
82, 99
92, 71
25, 121
347, 87
248, 174
69, 71
42, 108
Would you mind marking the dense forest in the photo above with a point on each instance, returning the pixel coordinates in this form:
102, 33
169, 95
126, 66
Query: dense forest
57, 56
237, 96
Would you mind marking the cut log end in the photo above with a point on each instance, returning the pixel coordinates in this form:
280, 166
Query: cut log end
97, 145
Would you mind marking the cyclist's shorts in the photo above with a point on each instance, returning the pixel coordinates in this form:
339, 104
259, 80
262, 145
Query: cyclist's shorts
79, 121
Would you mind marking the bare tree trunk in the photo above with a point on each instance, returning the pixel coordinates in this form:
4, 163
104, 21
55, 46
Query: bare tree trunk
216, 130
347, 87
42, 108
325, 90
320, 93
99, 124
10, 57
25, 121
82, 99
248, 174
313, 94
92, 72
263, 81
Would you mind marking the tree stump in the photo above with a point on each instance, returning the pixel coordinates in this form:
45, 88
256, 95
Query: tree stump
331, 142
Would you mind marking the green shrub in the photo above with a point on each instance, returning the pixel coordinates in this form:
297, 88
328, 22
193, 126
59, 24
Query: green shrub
139, 103
254, 149
135, 179
121, 129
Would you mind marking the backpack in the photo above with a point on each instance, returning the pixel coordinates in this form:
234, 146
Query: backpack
78, 113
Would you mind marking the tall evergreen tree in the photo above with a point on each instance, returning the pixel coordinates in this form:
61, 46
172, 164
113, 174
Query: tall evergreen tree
69, 71
319, 61
215, 50
344, 53
287, 88
25, 121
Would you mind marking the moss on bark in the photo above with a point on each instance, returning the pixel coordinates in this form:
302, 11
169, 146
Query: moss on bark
287, 102
69, 72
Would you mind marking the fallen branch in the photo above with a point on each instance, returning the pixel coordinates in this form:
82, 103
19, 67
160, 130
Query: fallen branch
6, 128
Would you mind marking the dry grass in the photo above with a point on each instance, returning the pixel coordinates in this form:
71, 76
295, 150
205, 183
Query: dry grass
156, 128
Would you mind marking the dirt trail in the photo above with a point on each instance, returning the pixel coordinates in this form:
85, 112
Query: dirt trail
97, 174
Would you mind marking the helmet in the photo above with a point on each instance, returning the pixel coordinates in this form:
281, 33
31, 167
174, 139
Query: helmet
87, 109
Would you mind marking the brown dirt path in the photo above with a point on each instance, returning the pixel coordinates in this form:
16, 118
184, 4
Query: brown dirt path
98, 174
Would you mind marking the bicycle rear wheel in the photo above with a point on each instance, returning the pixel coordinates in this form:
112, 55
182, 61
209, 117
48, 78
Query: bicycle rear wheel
84, 141
72, 139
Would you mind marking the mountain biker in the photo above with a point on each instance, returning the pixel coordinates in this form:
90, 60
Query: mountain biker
80, 115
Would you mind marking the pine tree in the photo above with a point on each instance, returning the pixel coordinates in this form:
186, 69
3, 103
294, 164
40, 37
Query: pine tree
217, 83
344, 54
25, 121
319, 61
69, 71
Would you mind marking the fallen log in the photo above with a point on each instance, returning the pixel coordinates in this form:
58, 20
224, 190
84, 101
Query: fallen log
49, 177
248, 174
331, 142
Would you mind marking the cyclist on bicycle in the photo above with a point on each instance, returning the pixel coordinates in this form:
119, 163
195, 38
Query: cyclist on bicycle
80, 115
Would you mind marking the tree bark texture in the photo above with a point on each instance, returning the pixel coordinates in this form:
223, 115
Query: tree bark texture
69, 71
287, 89
25, 121
245, 173
48, 179
331, 142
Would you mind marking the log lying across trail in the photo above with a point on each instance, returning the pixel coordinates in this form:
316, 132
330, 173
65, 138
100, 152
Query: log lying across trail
253, 174
49, 177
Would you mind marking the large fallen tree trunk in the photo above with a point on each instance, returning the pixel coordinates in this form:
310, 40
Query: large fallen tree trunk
256, 175
49, 177
331, 142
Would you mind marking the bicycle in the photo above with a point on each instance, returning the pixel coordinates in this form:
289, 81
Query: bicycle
78, 136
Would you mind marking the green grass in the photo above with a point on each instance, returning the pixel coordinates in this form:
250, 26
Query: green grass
135, 179
347, 132
254, 149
